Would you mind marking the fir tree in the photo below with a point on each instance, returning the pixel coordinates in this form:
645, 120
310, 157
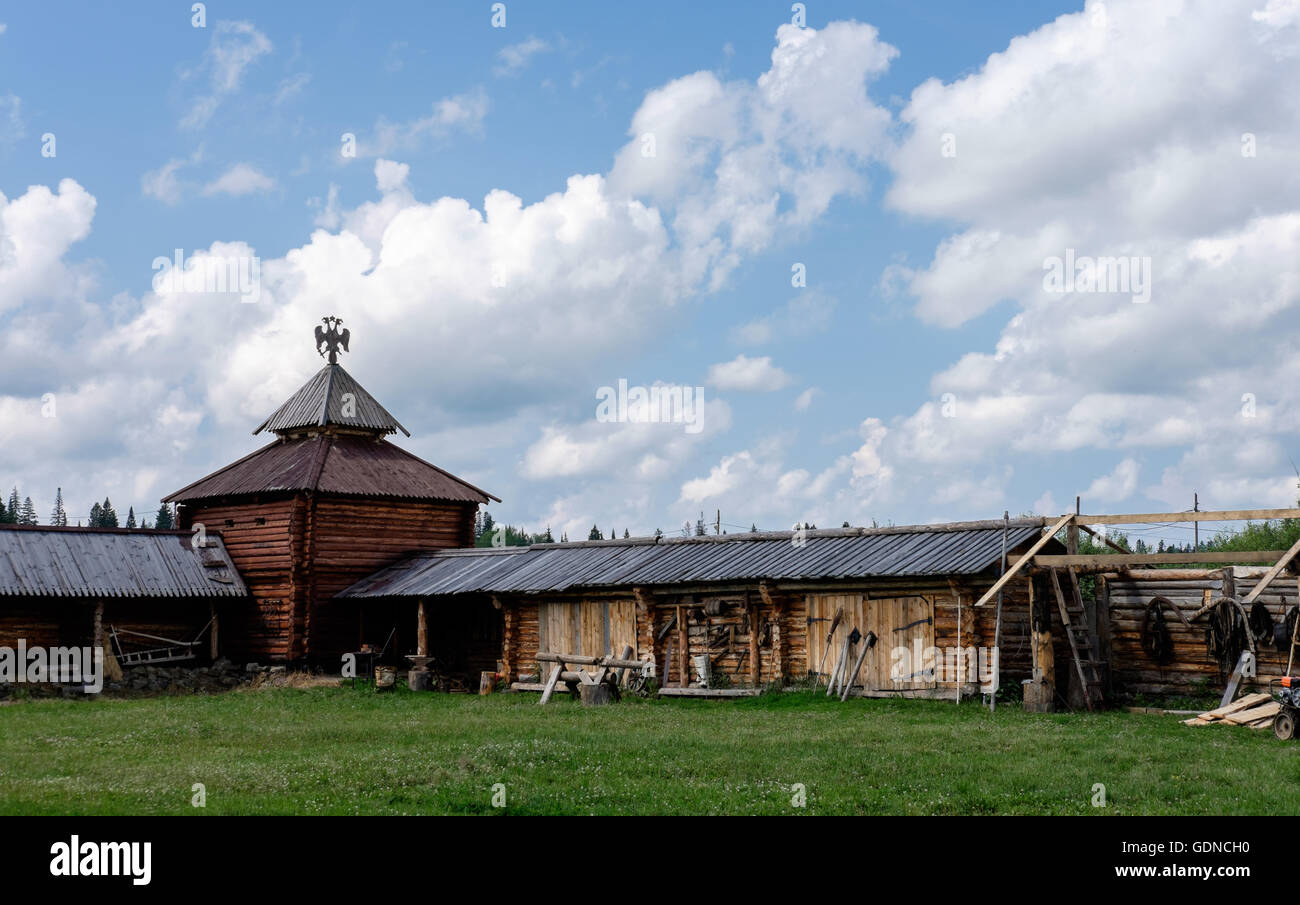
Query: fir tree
108, 515
13, 510
626, 534
130, 517
28, 514
96, 516
594, 534
59, 517
165, 522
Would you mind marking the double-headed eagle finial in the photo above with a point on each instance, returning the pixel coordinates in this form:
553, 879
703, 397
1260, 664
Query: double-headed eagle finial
330, 338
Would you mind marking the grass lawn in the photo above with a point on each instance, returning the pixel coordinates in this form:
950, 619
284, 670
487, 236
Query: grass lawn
333, 750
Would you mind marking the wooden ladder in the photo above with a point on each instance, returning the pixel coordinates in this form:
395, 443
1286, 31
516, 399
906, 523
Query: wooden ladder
1086, 663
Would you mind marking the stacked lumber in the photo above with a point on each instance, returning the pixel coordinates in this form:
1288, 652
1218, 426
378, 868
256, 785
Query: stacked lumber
1255, 711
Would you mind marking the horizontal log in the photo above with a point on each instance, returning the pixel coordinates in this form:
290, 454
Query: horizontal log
1052, 561
1156, 518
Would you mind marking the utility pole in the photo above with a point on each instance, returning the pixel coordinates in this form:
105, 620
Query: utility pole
717, 525
1196, 526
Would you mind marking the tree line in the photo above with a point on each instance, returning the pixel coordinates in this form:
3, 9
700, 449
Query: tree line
102, 515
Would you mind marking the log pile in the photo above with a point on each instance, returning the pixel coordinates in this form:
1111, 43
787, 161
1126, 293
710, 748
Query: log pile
1255, 711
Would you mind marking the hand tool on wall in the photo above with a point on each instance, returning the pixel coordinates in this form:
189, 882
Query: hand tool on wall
830, 633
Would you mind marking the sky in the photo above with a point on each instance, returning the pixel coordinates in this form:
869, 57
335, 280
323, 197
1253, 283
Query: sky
909, 261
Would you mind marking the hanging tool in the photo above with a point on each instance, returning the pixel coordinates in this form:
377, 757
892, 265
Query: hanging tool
830, 633
842, 663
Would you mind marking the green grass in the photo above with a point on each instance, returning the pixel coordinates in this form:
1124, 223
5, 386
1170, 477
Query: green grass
350, 751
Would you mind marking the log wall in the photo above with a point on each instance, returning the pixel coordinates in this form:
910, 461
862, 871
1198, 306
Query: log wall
265, 541
296, 553
1190, 670
350, 538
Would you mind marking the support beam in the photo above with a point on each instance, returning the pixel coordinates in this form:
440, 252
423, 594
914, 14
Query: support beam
1271, 574
1116, 560
1156, 518
421, 632
1038, 545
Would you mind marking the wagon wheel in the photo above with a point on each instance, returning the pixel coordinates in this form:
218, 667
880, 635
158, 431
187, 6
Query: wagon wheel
1284, 725
636, 683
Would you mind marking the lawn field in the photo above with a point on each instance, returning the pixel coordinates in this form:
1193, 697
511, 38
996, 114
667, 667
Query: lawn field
335, 750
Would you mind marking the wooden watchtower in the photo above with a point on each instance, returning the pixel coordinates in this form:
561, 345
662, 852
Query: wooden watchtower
327, 503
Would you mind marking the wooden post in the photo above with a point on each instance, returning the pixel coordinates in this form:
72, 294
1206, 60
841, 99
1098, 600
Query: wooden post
214, 637
755, 628
421, 632
97, 630
1040, 692
683, 647
509, 627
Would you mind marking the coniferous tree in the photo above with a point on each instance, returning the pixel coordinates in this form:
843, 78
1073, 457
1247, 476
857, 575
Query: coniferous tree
28, 514
13, 510
165, 522
626, 534
59, 517
96, 516
594, 534
130, 517
108, 515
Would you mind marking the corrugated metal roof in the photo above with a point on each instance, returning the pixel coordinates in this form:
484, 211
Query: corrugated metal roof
957, 549
323, 401
333, 463
97, 562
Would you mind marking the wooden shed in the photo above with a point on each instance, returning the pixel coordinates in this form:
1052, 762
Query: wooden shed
756, 606
80, 586
328, 502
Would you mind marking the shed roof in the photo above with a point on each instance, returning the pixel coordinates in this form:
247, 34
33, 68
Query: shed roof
332, 398
955, 549
333, 463
107, 562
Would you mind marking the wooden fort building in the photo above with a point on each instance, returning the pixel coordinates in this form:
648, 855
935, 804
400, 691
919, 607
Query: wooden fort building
328, 502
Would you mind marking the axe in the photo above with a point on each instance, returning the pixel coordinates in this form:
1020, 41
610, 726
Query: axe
868, 642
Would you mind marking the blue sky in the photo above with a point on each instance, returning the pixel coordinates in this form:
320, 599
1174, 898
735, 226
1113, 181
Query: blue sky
1099, 130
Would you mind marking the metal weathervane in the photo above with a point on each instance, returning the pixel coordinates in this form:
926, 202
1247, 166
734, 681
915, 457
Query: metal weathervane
330, 338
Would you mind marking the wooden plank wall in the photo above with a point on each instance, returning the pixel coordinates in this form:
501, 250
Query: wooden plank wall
784, 627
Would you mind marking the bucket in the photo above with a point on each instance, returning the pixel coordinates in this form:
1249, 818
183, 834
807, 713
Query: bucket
385, 677
703, 667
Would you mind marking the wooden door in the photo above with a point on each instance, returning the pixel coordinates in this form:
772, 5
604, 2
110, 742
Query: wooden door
899, 622
592, 628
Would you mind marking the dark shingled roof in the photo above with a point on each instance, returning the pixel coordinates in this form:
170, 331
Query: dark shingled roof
320, 403
964, 548
333, 463
107, 562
